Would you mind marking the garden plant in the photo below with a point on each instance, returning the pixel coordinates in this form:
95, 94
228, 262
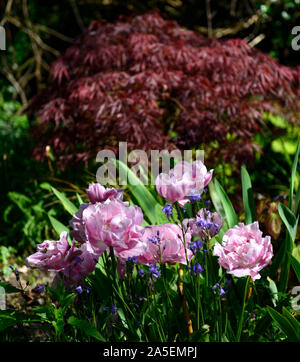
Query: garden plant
185, 271
95, 245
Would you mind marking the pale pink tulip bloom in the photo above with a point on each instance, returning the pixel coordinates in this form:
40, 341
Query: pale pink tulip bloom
182, 181
244, 251
165, 244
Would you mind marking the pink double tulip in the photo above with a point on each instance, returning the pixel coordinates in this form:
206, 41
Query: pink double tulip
244, 251
80, 266
184, 180
164, 243
98, 193
114, 224
53, 255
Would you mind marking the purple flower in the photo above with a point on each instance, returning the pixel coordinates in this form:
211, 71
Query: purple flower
114, 309
205, 222
79, 289
77, 260
208, 221
155, 239
141, 272
38, 289
223, 290
168, 210
153, 271
194, 196
196, 245
133, 259
196, 269
216, 286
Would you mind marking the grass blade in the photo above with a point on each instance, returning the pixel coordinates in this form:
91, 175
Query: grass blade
285, 263
289, 220
294, 170
79, 198
297, 201
284, 324
293, 321
248, 200
296, 267
283, 256
150, 207
67, 204
86, 327
216, 200
57, 225
230, 213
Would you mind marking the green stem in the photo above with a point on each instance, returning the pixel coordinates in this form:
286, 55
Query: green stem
182, 228
226, 322
221, 321
114, 263
199, 305
241, 321
164, 274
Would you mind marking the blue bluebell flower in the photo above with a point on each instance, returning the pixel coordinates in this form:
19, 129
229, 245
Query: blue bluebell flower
222, 290
38, 289
196, 269
195, 198
196, 245
79, 289
153, 271
133, 259
155, 239
141, 272
168, 210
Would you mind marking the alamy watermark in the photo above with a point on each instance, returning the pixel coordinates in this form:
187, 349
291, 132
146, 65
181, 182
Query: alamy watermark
296, 39
2, 38
295, 301
2, 299
139, 164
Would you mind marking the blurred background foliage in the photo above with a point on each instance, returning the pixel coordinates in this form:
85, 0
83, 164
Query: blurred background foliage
38, 32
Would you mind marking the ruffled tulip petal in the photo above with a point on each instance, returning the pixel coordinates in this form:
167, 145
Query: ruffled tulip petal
244, 251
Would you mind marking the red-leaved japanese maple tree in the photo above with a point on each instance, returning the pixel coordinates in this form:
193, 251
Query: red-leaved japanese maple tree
148, 81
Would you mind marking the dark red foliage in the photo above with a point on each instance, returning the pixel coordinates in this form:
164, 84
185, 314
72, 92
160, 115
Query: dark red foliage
140, 79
